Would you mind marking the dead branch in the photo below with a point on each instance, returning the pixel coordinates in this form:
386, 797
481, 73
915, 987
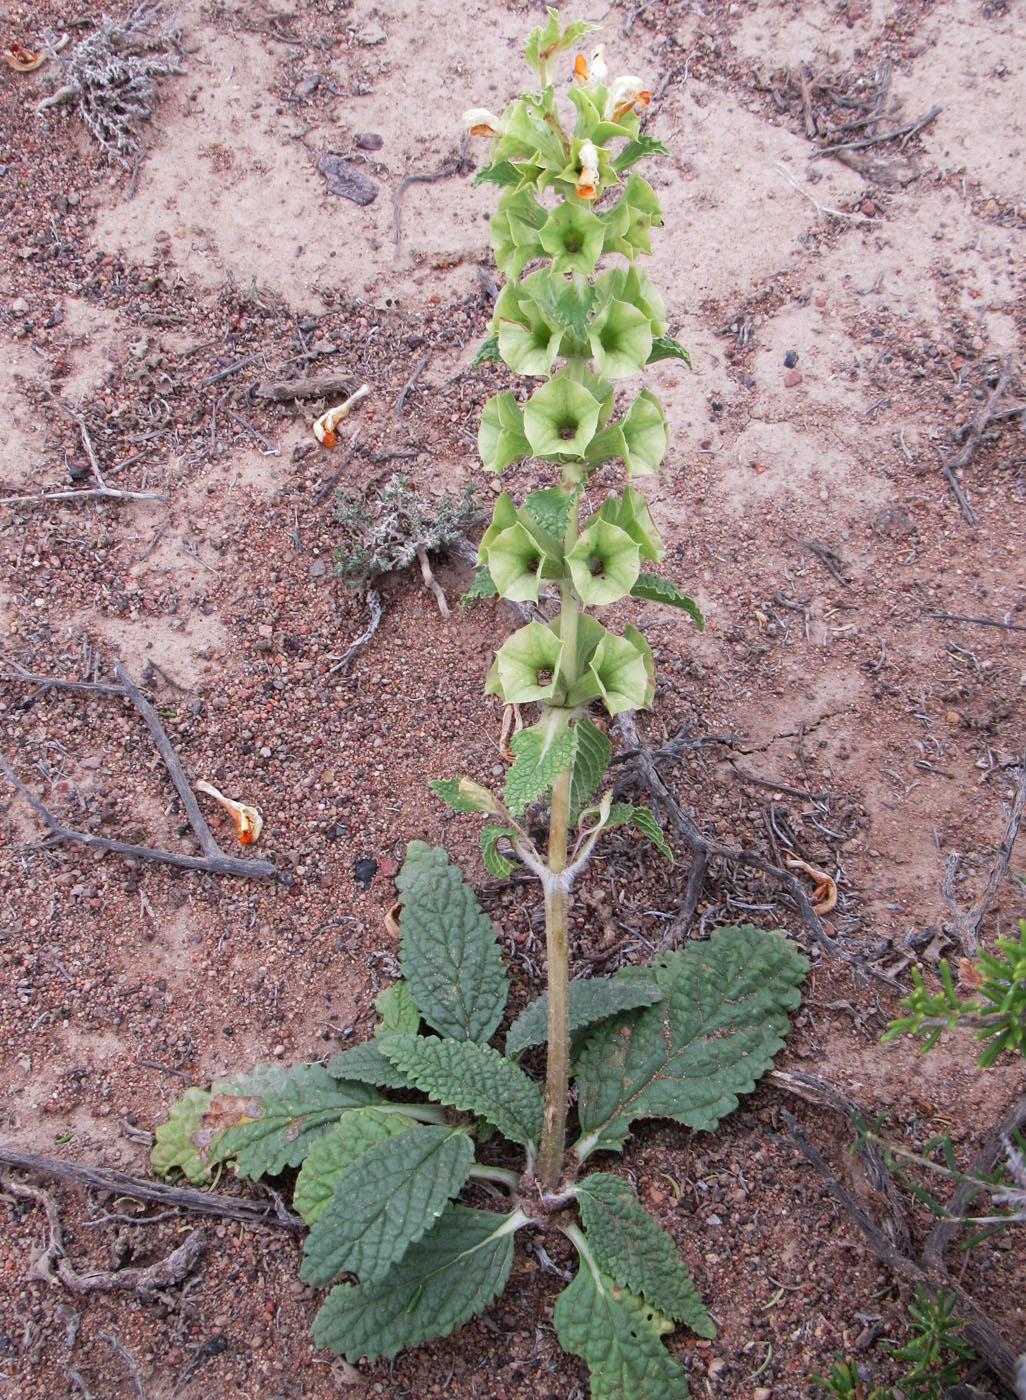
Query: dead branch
411, 383
904, 132
333, 479
139, 1189
977, 621
950, 466
702, 848
431, 582
323, 386
377, 611
453, 168
966, 926
213, 860
53, 1265
988, 1343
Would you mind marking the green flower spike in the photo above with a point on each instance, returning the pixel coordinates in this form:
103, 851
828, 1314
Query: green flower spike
500, 439
645, 435
619, 668
631, 513
621, 340
525, 668
560, 418
573, 237
527, 342
604, 563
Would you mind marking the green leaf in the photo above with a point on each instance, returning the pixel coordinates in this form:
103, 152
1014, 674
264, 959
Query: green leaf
448, 789
551, 509
482, 587
689, 1057
473, 1078
664, 347
365, 1064
526, 666
590, 763
266, 1120
449, 951
637, 1252
385, 1201
494, 861
592, 999
661, 590
623, 814
542, 752
331, 1155
397, 1009
452, 1273
173, 1147
488, 353
618, 1337
503, 172
646, 435
637, 150
500, 438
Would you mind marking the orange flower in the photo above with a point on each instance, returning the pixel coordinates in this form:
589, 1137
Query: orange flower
624, 95
587, 181
248, 821
482, 122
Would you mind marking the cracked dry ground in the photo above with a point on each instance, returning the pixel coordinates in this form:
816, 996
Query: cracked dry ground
837, 703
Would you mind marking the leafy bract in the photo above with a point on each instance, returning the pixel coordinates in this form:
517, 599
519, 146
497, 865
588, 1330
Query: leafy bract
448, 789
474, 1078
591, 759
688, 1057
494, 861
487, 354
618, 1337
453, 1272
664, 347
448, 948
661, 590
265, 1120
344, 1142
482, 587
622, 813
385, 1201
635, 1250
591, 1000
542, 752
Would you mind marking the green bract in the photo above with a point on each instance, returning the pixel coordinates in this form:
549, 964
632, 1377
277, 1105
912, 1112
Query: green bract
560, 418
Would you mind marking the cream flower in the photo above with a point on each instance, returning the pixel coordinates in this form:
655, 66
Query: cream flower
587, 181
625, 94
482, 122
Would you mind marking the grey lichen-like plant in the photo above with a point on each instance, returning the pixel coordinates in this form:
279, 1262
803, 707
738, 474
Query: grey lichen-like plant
110, 78
388, 527
394, 1189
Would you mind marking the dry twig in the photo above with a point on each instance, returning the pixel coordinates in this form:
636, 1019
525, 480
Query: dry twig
950, 466
966, 926
453, 168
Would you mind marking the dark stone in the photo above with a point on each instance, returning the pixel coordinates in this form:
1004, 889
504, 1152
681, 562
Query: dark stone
346, 180
364, 871
790, 359
368, 141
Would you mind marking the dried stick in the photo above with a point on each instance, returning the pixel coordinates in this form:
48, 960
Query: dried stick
214, 861
156, 1192
377, 612
951, 465
988, 1343
53, 1265
453, 169
431, 582
910, 129
966, 927
324, 386
701, 846
411, 383
977, 621
333, 479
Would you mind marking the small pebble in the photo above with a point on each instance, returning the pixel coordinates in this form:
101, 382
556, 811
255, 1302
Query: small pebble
364, 871
790, 359
792, 377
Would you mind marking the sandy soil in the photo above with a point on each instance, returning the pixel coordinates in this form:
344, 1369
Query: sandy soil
858, 692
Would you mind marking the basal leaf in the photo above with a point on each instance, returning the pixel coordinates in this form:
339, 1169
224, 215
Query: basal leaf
494, 861
542, 753
344, 1142
265, 1120
385, 1201
397, 1009
173, 1146
473, 1078
618, 1337
635, 1250
664, 347
365, 1064
661, 590
452, 1273
622, 814
590, 763
448, 948
691, 1055
591, 1000
488, 353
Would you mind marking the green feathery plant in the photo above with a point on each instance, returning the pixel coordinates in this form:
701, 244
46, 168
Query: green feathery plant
383, 1182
